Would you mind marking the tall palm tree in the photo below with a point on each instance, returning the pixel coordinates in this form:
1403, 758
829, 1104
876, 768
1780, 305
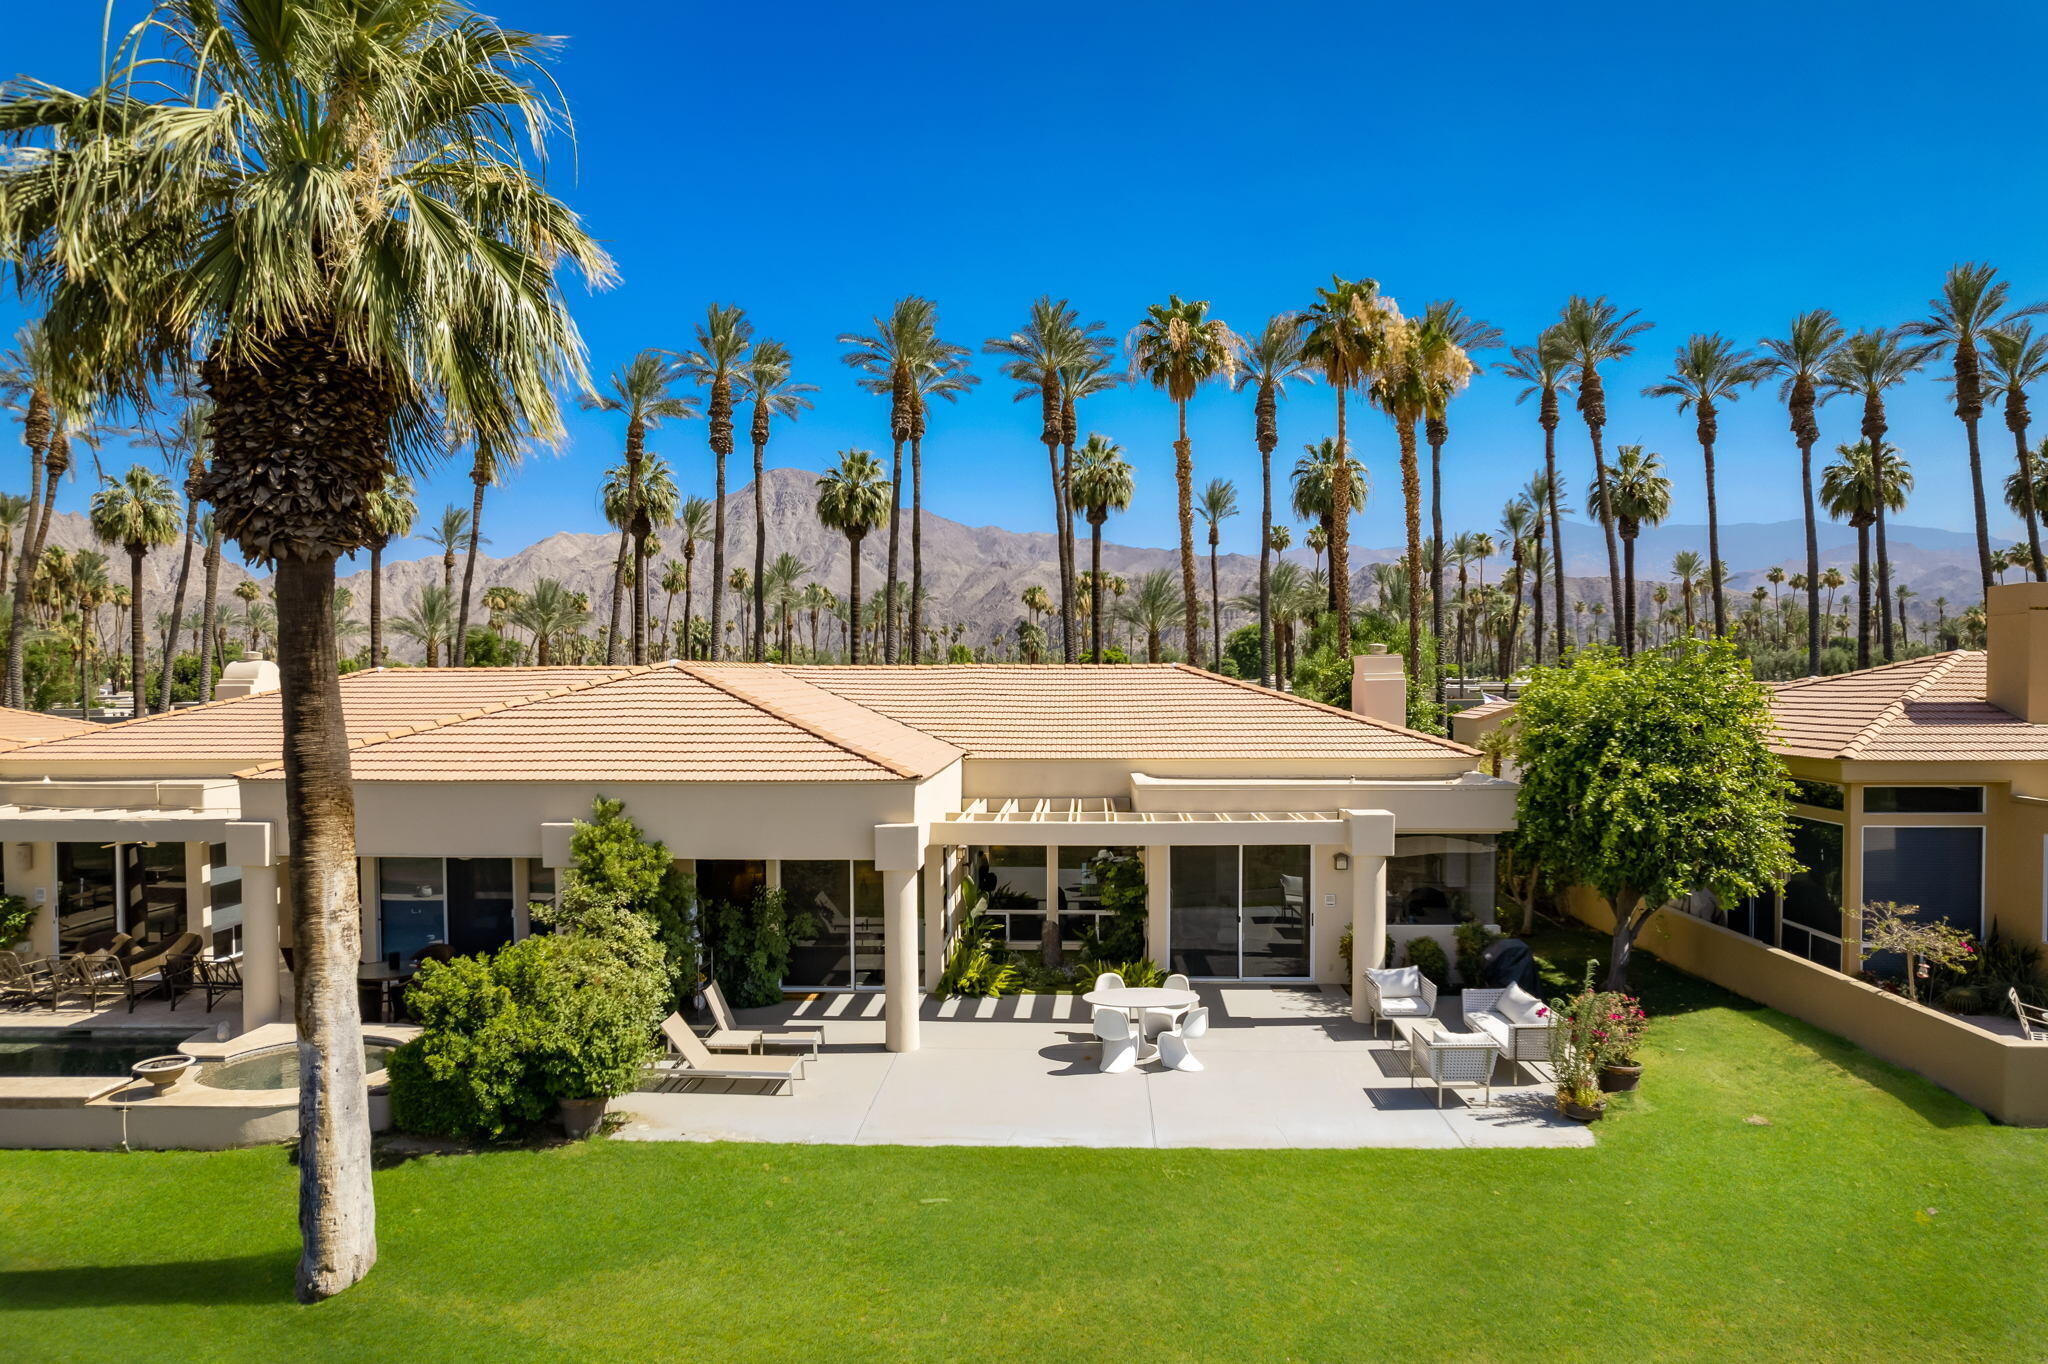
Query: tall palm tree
391, 512
853, 498
1800, 361
943, 374
14, 510
1102, 483
888, 359
1687, 568
489, 463
2016, 358
1312, 498
183, 447
1449, 336
1037, 601
1218, 503
765, 381
1707, 372
1402, 387
1268, 362
139, 512
673, 580
1970, 306
1345, 336
29, 378
1892, 480
716, 363
694, 519
1849, 492
1641, 495
429, 624
1545, 369
1090, 370
448, 535
1541, 494
85, 577
1864, 366
551, 613
642, 391
1517, 515
1177, 348
1154, 607
1036, 355
1593, 332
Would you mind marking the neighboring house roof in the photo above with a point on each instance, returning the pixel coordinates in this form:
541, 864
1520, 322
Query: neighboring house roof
1930, 709
1485, 709
250, 729
18, 727
664, 723
1079, 711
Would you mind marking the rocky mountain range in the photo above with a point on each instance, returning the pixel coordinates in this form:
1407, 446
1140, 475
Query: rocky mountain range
976, 575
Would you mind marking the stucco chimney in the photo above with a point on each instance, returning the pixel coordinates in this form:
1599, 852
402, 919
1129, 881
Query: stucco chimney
246, 678
2016, 638
1379, 689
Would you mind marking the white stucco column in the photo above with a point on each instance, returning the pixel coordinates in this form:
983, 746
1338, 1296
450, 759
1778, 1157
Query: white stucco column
251, 845
1370, 836
937, 870
199, 892
899, 855
1158, 904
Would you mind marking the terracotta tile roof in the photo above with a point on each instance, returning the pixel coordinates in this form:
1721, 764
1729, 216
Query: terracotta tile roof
18, 727
1484, 710
1928, 709
1135, 711
666, 723
249, 729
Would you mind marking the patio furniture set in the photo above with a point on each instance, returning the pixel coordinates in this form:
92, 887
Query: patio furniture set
1509, 1024
115, 966
692, 1059
1146, 1023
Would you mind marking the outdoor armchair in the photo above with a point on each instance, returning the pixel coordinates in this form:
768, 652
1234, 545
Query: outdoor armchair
1402, 992
26, 980
1516, 1020
689, 1060
727, 1035
1451, 1058
90, 977
218, 978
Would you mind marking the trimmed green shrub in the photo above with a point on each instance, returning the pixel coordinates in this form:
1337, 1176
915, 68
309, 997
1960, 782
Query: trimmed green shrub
506, 1038
618, 865
750, 946
16, 914
1427, 954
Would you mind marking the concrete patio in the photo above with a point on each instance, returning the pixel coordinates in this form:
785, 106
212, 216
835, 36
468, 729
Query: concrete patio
1285, 1067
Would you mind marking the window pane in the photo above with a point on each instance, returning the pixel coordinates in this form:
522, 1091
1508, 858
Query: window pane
1020, 892
1940, 870
156, 891
867, 924
729, 882
1813, 895
411, 905
1203, 893
85, 894
1824, 794
1923, 800
823, 890
1276, 911
1080, 898
1440, 879
479, 903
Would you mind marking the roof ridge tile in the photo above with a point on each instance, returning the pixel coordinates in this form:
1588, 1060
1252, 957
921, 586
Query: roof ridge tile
767, 708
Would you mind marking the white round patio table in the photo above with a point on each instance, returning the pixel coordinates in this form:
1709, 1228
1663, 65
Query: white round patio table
1134, 1000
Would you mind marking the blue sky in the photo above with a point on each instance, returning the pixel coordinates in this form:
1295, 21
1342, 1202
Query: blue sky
1719, 169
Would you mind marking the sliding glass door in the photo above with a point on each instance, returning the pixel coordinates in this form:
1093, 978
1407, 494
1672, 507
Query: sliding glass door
844, 903
465, 902
1240, 913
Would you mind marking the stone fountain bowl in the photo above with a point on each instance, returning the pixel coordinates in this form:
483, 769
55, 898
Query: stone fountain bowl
163, 1071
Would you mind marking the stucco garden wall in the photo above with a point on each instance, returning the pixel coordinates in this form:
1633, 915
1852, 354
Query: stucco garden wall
2004, 1076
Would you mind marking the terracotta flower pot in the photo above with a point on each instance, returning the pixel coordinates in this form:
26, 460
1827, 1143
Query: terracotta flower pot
1580, 1113
582, 1117
1620, 1079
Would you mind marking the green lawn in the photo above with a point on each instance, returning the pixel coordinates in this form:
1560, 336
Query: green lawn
1868, 1214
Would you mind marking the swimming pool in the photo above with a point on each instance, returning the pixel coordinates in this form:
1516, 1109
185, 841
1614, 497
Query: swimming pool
58, 1052
278, 1068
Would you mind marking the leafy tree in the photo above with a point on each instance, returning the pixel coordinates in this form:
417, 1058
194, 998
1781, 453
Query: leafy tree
615, 863
750, 946
1651, 778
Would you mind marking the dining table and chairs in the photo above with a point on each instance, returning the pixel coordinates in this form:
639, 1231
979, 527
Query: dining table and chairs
1146, 1022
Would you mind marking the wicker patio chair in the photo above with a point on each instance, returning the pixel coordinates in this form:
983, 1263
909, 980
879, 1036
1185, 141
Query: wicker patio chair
1395, 994
1451, 1058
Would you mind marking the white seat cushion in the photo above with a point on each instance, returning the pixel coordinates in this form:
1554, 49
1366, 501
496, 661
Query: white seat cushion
1518, 1006
1404, 1005
1396, 982
1495, 1029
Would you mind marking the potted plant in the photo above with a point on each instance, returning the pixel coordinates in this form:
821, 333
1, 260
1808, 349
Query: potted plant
1618, 1026
1577, 1052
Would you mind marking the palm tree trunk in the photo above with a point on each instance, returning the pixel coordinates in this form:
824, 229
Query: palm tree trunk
1215, 610
1976, 491
717, 603
137, 649
163, 691
376, 605
1340, 536
1411, 497
1069, 589
209, 618
1556, 531
458, 650
760, 551
1884, 587
1265, 566
916, 544
337, 1207
1714, 546
1628, 584
689, 592
1863, 596
1059, 522
895, 516
611, 646
1436, 558
1812, 561
1184, 481
639, 594
84, 656
1607, 526
35, 535
1095, 590
2033, 518
1536, 610
853, 600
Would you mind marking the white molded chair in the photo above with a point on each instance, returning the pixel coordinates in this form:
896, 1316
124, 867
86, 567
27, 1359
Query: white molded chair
1196, 1024
1109, 980
1178, 981
1174, 1053
1119, 1043
1157, 1021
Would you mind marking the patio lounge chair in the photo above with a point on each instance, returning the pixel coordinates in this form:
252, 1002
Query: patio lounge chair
1119, 1043
218, 978
688, 1060
2033, 1019
729, 1036
1515, 1019
88, 978
24, 980
1402, 992
165, 968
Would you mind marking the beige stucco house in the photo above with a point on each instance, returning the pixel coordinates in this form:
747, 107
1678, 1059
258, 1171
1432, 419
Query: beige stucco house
1267, 825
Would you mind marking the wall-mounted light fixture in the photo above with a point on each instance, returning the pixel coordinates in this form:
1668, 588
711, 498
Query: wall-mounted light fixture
1342, 861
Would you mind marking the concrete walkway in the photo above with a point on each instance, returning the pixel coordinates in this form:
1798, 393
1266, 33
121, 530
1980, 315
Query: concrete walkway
1286, 1067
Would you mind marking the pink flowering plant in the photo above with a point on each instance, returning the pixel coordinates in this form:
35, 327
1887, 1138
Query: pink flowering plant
1595, 1028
